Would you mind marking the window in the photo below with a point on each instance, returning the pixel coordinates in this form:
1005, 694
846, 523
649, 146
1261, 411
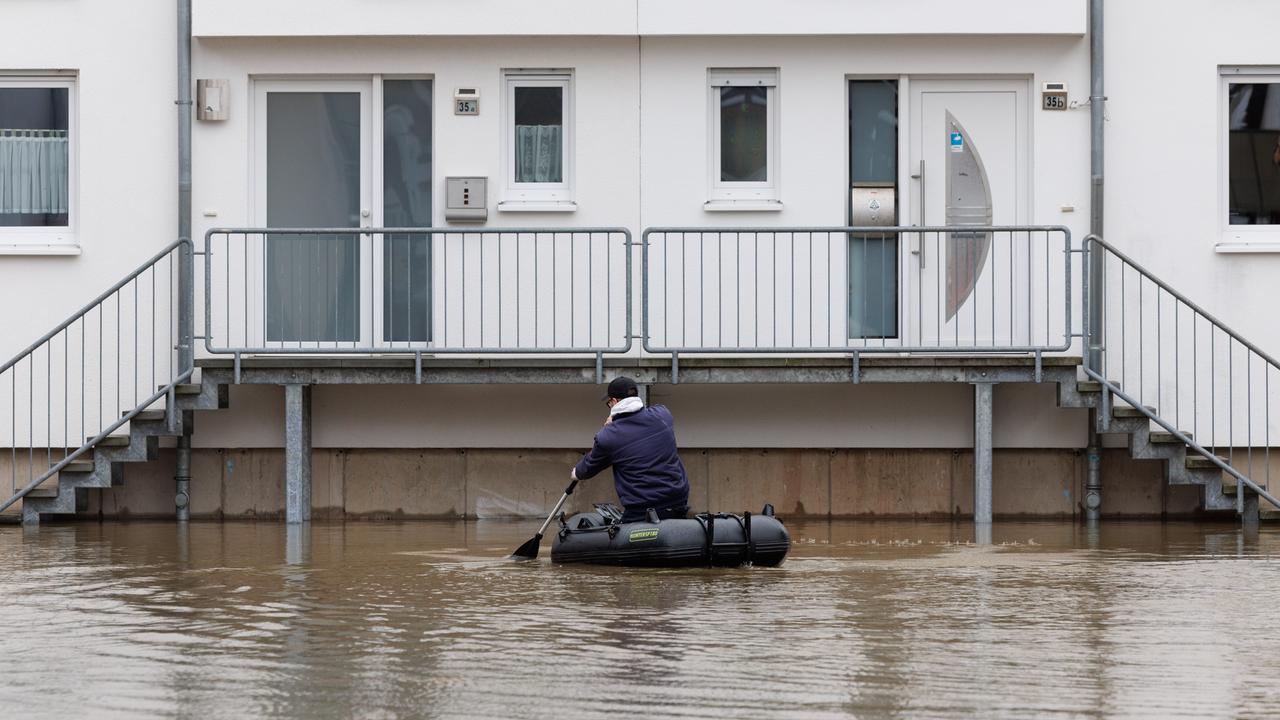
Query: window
873, 165
1252, 156
538, 136
37, 163
744, 139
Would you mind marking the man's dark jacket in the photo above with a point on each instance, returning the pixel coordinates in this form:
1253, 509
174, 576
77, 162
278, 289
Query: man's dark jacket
641, 447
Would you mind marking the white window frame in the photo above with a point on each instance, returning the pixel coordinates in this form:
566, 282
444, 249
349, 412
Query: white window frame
537, 197
1239, 238
722, 195
50, 240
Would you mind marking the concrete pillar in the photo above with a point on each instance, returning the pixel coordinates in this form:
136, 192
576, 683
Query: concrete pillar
1250, 519
297, 453
982, 407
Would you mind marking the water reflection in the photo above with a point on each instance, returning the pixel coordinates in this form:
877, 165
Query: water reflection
871, 619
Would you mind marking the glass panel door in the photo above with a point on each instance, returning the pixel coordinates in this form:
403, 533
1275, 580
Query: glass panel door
405, 270
313, 154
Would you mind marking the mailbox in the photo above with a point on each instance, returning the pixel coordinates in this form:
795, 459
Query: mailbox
873, 206
465, 199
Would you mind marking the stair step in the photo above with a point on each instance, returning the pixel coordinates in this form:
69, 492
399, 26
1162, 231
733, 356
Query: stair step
112, 441
1199, 462
1091, 386
185, 389
149, 416
1269, 515
80, 466
44, 491
1124, 411
1160, 436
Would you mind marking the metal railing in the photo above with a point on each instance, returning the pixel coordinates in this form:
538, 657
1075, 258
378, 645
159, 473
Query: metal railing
93, 373
417, 290
1185, 370
972, 289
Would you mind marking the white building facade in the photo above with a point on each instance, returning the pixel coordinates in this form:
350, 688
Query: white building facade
621, 116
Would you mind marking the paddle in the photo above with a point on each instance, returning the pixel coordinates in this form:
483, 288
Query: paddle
529, 550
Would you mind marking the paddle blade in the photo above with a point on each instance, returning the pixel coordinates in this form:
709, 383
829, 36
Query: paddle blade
529, 550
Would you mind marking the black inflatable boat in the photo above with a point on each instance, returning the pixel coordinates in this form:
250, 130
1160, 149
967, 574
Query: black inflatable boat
706, 540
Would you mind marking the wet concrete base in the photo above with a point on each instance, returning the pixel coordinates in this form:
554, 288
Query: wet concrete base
382, 484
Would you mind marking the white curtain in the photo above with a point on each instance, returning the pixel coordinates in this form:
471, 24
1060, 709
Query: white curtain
33, 171
539, 153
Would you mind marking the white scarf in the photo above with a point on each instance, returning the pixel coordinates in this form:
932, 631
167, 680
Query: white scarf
626, 405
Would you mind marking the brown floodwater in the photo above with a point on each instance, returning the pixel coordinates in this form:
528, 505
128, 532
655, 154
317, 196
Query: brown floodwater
866, 619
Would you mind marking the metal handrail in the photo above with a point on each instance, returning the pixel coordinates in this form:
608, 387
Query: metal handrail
94, 303
123, 407
606, 305
1097, 240
1155, 375
1038, 342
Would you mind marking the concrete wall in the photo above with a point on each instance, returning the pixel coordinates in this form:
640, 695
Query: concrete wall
497, 483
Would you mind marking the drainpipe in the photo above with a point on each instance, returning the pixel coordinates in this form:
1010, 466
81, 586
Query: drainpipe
1093, 351
186, 273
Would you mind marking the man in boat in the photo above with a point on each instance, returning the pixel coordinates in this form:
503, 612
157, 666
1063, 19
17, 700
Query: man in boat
639, 443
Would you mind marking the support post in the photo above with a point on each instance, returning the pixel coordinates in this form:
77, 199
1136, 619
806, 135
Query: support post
982, 408
297, 453
1249, 519
182, 475
1093, 481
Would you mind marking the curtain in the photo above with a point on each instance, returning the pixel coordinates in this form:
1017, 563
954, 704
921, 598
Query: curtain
33, 171
539, 153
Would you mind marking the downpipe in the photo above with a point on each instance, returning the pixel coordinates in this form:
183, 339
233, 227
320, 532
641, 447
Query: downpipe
186, 270
1093, 479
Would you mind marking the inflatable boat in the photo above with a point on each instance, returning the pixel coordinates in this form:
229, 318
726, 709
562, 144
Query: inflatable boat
705, 540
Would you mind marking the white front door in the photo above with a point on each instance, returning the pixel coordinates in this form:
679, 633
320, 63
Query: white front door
969, 163
313, 158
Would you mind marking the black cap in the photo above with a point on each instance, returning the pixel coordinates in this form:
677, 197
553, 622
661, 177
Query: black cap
622, 387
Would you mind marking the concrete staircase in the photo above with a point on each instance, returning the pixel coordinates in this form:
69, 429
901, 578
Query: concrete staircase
1182, 465
103, 466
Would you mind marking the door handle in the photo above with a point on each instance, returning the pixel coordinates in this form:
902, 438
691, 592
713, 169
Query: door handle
919, 249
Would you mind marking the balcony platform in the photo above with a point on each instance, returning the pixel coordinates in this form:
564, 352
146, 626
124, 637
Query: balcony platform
375, 370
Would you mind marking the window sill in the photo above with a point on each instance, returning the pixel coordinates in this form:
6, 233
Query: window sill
742, 206
1239, 247
562, 206
33, 249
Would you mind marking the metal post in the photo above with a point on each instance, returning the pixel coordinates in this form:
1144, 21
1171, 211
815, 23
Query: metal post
1093, 483
982, 407
297, 453
182, 476
186, 271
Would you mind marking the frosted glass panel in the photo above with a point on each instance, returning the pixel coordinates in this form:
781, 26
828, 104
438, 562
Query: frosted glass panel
744, 134
406, 184
313, 180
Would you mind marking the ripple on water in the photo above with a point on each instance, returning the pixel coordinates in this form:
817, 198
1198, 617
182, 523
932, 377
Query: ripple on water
869, 619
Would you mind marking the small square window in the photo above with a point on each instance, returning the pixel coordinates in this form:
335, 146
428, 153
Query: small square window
37, 164
744, 136
538, 136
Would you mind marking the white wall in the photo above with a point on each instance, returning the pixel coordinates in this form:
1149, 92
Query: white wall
347, 18
127, 180
640, 80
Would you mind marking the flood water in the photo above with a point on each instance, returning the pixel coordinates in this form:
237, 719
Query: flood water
865, 619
